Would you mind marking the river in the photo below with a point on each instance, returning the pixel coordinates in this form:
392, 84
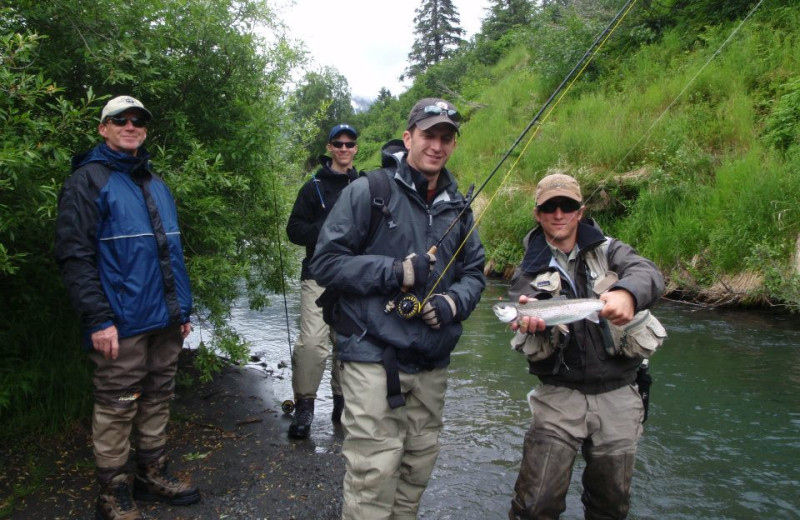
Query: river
722, 440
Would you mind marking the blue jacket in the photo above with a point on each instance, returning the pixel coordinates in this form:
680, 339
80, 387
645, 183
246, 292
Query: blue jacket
118, 245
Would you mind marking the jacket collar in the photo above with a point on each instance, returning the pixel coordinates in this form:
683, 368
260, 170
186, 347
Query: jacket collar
538, 254
326, 171
116, 161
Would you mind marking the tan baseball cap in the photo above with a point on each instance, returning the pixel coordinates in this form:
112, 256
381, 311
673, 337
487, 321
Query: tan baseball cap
120, 104
428, 112
557, 185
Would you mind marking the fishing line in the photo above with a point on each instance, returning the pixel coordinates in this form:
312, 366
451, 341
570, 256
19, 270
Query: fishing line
555, 99
280, 260
686, 87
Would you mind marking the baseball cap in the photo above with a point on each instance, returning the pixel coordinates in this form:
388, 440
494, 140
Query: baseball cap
432, 111
557, 185
340, 129
120, 104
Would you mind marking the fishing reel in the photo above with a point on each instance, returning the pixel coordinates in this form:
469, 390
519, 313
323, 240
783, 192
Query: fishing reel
406, 305
287, 406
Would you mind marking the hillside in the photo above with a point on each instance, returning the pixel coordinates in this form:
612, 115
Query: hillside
687, 144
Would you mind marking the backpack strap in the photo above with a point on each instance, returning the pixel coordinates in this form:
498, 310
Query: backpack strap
380, 192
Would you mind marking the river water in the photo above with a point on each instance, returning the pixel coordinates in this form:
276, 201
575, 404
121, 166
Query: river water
722, 440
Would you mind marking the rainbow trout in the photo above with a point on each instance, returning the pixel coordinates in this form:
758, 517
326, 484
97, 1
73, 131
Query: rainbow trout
553, 312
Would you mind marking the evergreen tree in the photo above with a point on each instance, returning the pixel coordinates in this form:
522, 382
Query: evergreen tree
438, 35
505, 14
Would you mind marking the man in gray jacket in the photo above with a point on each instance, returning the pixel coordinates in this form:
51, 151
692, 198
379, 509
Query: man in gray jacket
588, 398
400, 311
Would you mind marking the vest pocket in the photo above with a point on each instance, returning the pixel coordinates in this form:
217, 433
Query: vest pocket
639, 338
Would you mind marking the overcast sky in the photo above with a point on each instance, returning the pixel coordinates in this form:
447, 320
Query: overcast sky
367, 41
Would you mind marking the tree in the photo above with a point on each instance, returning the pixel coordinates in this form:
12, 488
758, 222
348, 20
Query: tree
438, 35
505, 15
216, 91
321, 101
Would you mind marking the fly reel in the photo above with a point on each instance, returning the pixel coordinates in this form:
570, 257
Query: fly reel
406, 305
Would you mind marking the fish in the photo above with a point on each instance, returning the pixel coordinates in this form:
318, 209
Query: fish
553, 311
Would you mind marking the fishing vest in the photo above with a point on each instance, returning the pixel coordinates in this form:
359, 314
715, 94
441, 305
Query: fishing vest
638, 338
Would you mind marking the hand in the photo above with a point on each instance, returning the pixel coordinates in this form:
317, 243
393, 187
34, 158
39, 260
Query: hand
186, 329
619, 307
528, 324
107, 342
413, 270
439, 311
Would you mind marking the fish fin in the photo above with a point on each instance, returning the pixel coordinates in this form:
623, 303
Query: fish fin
594, 317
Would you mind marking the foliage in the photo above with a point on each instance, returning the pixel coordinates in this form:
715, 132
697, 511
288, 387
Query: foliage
504, 16
438, 35
782, 128
320, 101
216, 90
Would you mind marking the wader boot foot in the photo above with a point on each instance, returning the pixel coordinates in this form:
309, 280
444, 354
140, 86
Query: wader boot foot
338, 408
154, 483
115, 501
303, 417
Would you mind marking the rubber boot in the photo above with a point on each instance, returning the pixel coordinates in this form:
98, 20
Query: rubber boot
303, 417
154, 482
115, 501
543, 480
338, 408
607, 486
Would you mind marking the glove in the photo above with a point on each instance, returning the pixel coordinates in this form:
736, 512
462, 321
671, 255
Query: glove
439, 311
413, 270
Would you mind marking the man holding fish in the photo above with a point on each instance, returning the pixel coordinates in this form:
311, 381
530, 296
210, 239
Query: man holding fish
578, 293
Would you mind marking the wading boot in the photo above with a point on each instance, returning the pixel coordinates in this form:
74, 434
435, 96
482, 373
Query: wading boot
338, 408
303, 417
115, 501
153, 482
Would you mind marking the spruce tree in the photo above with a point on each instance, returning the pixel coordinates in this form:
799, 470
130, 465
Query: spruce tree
505, 14
437, 33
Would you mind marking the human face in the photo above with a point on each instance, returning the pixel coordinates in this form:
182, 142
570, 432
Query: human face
342, 156
429, 150
560, 228
125, 139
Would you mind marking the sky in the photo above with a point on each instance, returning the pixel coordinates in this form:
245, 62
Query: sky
367, 41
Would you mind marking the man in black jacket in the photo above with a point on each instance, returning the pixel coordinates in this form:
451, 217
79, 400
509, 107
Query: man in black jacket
311, 351
588, 398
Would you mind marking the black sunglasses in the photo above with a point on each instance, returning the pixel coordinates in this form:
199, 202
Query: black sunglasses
339, 144
566, 205
436, 110
122, 121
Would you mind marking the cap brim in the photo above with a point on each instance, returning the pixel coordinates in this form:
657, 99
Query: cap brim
551, 194
428, 122
142, 110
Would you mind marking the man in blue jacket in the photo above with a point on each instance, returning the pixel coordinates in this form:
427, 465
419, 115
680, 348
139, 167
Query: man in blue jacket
119, 249
394, 364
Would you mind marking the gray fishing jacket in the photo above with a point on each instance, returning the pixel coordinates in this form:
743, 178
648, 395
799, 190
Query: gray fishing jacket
364, 272
584, 364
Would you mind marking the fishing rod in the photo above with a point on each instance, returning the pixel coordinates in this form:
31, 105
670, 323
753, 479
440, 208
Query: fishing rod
408, 305
287, 406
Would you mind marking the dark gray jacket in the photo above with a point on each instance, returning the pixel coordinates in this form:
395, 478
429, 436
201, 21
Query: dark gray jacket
367, 279
584, 365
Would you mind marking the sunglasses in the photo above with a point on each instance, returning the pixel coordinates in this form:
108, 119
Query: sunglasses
347, 144
122, 121
437, 111
566, 205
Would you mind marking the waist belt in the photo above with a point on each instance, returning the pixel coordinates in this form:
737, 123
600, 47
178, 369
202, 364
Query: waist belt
345, 325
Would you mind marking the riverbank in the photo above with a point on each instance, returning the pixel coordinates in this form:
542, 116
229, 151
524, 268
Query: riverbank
228, 434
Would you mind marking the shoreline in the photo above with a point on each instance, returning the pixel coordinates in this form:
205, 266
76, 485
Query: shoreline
228, 435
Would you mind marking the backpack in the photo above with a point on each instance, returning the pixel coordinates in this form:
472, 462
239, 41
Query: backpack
380, 192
